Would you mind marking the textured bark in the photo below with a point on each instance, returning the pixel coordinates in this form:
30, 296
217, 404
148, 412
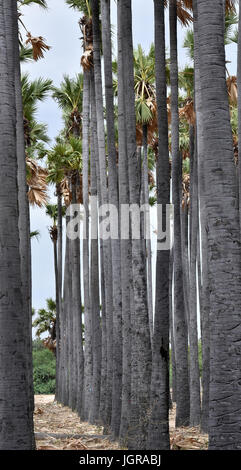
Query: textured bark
76, 304
61, 320
126, 273
222, 225
195, 403
88, 364
94, 283
147, 242
141, 345
185, 255
107, 264
16, 431
239, 106
113, 199
204, 291
24, 217
57, 388
65, 331
103, 339
173, 357
180, 323
159, 422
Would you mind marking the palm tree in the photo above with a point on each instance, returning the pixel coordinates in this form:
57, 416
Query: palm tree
52, 212
141, 345
114, 199
180, 321
158, 428
46, 323
222, 225
69, 98
16, 409
146, 118
104, 201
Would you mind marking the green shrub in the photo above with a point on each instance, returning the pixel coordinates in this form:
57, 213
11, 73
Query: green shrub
44, 364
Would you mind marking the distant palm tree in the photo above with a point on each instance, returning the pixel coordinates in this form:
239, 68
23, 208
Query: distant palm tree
46, 323
69, 97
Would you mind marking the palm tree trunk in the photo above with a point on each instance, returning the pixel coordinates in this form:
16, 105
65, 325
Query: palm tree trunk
125, 245
103, 339
239, 108
114, 200
180, 323
104, 200
147, 242
16, 432
78, 355
24, 216
172, 341
58, 387
65, 336
59, 325
205, 291
141, 350
195, 403
86, 271
223, 232
94, 289
159, 426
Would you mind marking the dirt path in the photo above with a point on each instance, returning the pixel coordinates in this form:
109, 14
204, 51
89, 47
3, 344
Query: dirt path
58, 428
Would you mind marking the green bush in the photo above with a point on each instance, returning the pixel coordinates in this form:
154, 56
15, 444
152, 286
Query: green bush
44, 364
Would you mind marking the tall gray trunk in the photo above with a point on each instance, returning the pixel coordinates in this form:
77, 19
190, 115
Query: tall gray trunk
223, 233
147, 242
141, 344
65, 346
86, 271
205, 290
239, 107
16, 432
94, 284
24, 216
180, 323
159, 421
59, 270
114, 200
78, 356
126, 268
107, 264
195, 403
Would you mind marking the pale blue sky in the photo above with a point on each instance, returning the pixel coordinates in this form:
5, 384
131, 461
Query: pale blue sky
59, 26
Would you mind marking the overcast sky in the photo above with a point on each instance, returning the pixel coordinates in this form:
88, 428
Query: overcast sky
59, 26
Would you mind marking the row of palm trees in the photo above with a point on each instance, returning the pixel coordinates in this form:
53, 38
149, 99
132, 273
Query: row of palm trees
119, 134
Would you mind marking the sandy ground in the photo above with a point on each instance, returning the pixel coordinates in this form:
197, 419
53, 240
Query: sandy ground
58, 428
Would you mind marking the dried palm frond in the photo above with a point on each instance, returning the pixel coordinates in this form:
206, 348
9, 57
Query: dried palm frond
87, 31
185, 190
37, 196
230, 6
232, 89
37, 182
38, 45
188, 112
50, 344
65, 191
53, 231
87, 59
183, 15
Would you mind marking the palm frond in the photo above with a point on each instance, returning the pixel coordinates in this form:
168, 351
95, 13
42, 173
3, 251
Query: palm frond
41, 3
39, 46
